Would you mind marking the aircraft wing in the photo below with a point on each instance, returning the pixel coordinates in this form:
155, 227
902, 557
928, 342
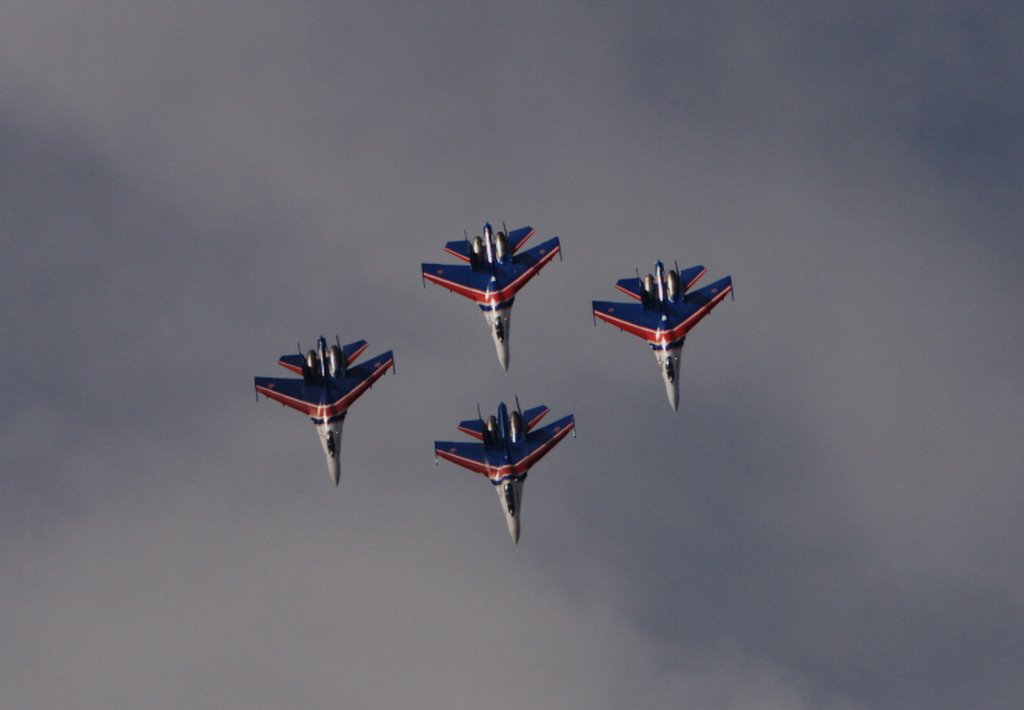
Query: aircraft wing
293, 393
460, 279
469, 455
518, 237
679, 317
523, 267
534, 259
630, 317
541, 441
361, 377
478, 286
474, 457
699, 303
324, 403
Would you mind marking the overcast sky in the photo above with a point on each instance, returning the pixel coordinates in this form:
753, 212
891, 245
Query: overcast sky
832, 519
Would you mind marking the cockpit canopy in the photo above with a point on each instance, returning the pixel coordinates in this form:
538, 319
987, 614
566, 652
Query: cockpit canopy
510, 497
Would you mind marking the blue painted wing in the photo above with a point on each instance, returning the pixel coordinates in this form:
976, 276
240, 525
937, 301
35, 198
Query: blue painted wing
460, 279
361, 377
630, 317
668, 328
307, 399
508, 277
330, 401
469, 455
534, 259
711, 295
541, 441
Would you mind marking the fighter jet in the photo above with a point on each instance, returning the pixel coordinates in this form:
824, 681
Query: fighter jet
665, 314
329, 385
495, 273
509, 447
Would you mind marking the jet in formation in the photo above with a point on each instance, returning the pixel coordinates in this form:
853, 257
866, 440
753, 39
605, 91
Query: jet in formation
666, 312
330, 384
509, 446
494, 272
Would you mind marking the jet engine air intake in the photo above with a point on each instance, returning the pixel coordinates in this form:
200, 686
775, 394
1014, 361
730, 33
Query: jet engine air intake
335, 362
516, 426
501, 246
492, 428
476, 251
673, 285
311, 367
647, 291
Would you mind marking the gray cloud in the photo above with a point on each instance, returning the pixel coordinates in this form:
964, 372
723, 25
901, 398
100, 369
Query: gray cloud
828, 521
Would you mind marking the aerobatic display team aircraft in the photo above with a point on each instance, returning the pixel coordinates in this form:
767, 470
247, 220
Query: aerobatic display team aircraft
329, 386
665, 314
509, 447
494, 273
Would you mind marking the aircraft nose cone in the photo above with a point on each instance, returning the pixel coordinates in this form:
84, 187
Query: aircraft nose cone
503, 356
672, 390
513, 528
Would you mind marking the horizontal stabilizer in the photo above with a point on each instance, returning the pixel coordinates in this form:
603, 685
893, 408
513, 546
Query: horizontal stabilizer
689, 276
349, 353
518, 237
458, 248
352, 351
473, 427
630, 287
533, 416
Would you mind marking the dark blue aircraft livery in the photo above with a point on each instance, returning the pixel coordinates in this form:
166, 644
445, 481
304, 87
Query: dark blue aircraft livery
509, 446
494, 272
666, 312
330, 384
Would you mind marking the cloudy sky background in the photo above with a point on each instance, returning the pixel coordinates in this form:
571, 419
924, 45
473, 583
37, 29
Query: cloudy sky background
831, 520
